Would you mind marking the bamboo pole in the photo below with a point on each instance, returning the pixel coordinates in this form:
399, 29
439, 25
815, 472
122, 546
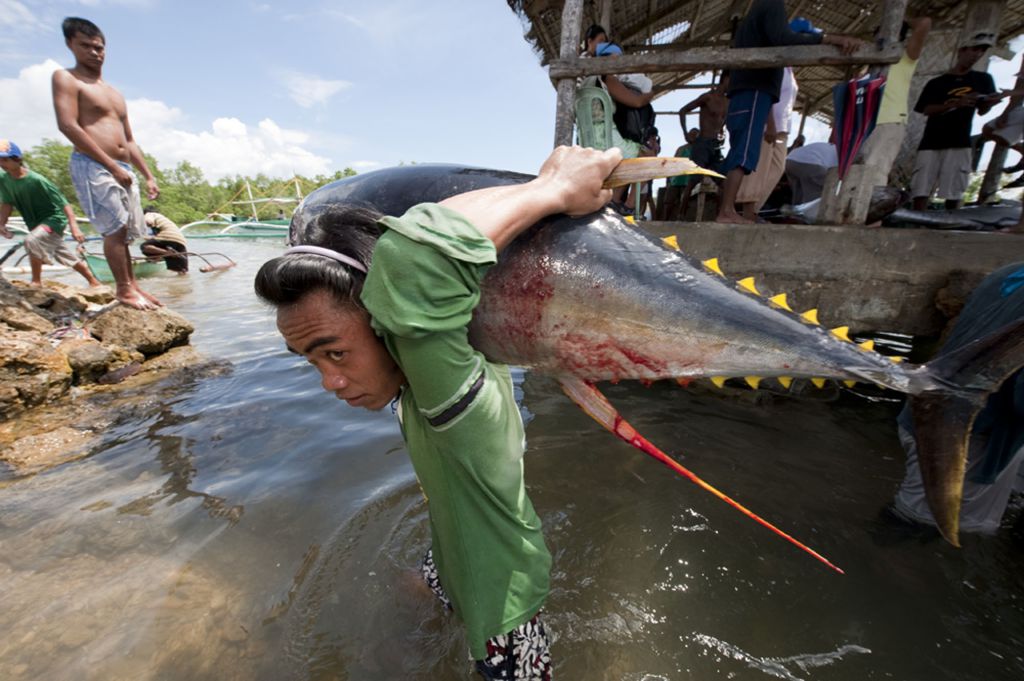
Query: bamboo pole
572, 16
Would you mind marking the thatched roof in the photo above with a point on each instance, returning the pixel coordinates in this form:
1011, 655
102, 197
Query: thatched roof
646, 25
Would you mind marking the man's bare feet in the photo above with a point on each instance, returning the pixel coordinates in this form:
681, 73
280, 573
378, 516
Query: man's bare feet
130, 297
36, 283
732, 217
151, 298
138, 302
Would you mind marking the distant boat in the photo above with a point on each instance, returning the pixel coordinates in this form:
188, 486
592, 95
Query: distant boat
142, 267
230, 223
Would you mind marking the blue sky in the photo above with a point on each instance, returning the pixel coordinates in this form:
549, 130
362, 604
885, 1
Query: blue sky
296, 87
307, 86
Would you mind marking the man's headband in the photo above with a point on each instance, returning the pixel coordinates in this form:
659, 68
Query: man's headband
328, 253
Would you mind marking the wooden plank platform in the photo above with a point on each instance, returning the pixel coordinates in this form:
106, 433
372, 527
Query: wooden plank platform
908, 281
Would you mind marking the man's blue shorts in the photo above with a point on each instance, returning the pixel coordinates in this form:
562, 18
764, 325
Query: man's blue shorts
746, 121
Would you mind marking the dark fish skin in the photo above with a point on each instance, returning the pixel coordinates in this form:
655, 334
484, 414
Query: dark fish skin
596, 299
118, 375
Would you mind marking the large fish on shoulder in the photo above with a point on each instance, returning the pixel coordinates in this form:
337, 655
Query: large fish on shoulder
592, 298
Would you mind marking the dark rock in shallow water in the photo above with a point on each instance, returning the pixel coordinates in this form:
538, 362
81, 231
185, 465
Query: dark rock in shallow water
151, 332
92, 361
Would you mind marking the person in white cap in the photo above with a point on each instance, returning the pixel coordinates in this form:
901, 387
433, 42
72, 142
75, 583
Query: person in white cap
949, 101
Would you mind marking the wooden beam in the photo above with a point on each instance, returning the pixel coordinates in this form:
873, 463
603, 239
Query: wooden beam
696, 19
572, 17
710, 58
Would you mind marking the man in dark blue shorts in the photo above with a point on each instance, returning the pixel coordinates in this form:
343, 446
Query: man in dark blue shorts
753, 91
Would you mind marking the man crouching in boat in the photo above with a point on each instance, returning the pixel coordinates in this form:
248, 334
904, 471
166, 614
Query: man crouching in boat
380, 305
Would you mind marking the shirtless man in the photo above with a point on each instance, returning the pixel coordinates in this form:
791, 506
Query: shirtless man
706, 150
94, 117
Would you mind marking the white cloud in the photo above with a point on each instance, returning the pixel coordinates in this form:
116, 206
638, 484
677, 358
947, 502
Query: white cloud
228, 147
26, 107
308, 90
364, 165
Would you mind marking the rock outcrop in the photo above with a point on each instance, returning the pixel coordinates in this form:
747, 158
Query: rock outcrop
58, 336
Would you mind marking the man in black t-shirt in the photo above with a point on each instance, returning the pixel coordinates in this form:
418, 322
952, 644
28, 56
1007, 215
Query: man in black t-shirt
949, 101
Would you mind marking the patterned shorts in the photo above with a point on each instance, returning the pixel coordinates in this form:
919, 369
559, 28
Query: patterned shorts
522, 654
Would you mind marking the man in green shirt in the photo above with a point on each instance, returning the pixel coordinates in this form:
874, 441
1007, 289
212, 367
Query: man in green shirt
46, 213
396, 330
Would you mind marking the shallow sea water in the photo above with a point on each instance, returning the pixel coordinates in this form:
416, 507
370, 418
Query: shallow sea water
250, 526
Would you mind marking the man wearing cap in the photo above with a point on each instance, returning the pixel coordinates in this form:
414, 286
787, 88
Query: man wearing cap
94, 117
46, 213
949, 101
753, 91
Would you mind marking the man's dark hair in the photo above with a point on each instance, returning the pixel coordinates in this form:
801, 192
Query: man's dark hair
149, 209
73, 25
349, 229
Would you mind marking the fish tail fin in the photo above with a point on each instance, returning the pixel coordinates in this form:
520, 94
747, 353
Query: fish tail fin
945, 412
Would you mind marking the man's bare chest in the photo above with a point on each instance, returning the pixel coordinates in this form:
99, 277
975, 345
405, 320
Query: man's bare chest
99, 99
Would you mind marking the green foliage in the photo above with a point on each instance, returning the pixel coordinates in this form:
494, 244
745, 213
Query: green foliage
185, 195
51, 159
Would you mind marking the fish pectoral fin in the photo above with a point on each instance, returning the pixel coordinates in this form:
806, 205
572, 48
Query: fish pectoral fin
597, 406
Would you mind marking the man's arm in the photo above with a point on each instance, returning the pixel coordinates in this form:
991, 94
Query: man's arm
5, 214
919, 27
65, 104
73, 224
569, 182
138, 160
988, 96
623, 95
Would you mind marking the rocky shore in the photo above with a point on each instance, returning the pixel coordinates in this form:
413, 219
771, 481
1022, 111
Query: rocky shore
61, 348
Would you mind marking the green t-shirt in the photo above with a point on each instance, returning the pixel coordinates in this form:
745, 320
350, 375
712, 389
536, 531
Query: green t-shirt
684, 151
36, 198
460, 420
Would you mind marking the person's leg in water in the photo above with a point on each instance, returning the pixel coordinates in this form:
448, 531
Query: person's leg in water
522, 654
83, 268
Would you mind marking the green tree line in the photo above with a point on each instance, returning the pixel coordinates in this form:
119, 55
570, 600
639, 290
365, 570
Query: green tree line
185, 195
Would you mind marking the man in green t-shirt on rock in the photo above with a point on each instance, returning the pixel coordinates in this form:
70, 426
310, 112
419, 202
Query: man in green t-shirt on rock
396, 330
46, 213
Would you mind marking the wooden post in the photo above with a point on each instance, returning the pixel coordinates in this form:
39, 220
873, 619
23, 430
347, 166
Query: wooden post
606, 15
572, 16
994, 172
846, 202
893, 13
983, 16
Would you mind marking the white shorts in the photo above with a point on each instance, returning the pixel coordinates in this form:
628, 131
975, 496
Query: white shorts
42, 243
949, 169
